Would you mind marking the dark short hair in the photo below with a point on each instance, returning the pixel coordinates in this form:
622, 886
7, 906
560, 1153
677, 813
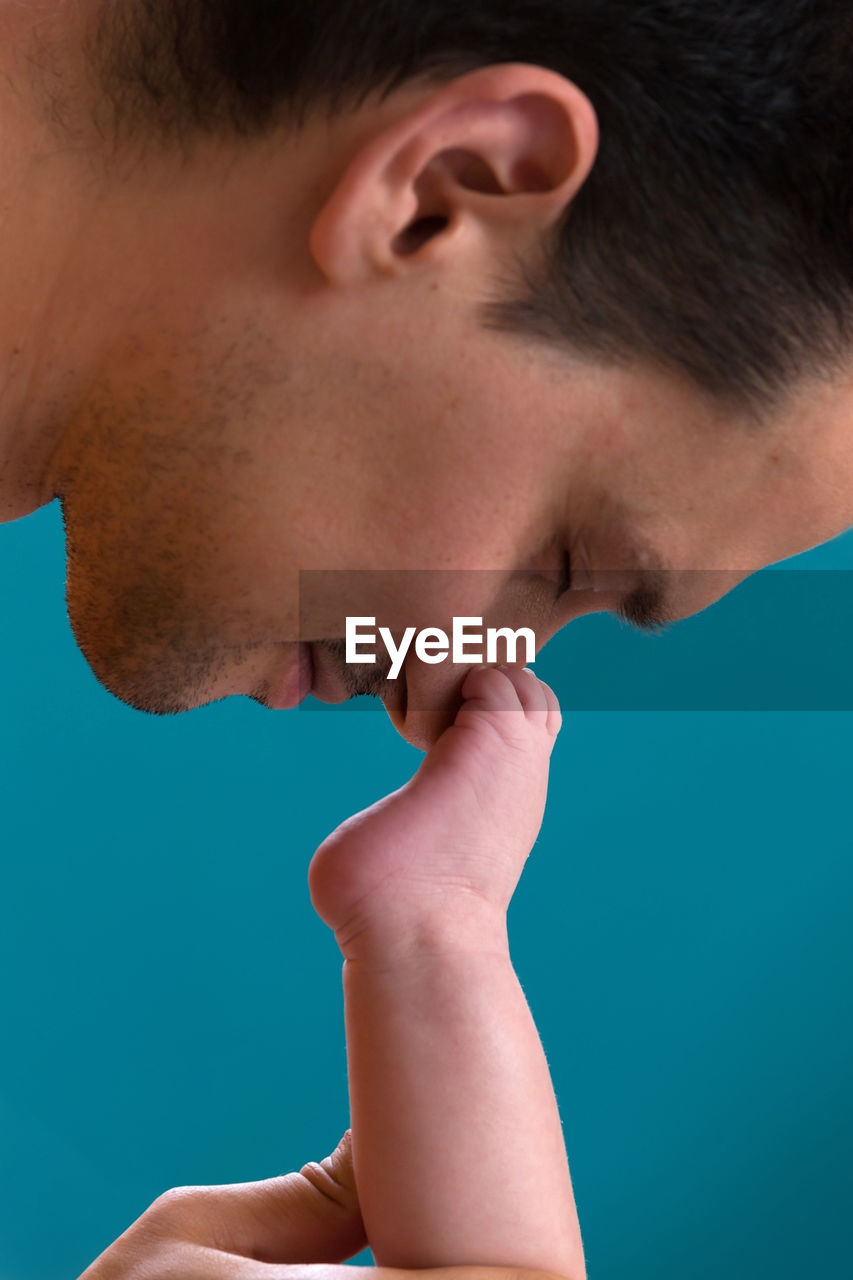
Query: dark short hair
714, 236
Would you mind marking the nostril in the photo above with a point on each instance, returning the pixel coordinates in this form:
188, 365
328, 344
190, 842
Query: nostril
416, 235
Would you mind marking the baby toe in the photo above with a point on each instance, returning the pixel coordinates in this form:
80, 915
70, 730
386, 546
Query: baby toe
555, 715
490, 689
531, 691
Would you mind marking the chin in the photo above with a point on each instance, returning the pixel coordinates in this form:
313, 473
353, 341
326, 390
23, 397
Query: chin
145, 696
143, 682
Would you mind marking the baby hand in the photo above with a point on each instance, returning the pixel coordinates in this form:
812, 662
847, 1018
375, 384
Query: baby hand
439, 859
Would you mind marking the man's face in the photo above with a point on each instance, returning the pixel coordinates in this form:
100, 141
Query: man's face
252, 421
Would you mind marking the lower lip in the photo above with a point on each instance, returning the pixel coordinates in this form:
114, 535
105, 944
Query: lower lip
296, 685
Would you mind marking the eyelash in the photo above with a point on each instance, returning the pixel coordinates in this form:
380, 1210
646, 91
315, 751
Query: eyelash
566, 580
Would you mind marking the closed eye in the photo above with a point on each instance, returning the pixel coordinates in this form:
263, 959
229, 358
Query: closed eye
565, 583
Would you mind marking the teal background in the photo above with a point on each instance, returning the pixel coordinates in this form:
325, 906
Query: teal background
171, 1011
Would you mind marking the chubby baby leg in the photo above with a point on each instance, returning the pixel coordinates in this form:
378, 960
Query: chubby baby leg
458, 1149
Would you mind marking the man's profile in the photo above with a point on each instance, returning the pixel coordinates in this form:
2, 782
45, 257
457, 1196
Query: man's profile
428, 287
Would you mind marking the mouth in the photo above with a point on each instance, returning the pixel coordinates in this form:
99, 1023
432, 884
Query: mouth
295, 684
316, 673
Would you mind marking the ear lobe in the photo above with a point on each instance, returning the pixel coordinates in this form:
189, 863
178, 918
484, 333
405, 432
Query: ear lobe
500, 151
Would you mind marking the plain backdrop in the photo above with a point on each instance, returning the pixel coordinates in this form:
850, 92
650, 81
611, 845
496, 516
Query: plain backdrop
171, 1008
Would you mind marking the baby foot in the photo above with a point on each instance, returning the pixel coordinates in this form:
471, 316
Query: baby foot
448, 847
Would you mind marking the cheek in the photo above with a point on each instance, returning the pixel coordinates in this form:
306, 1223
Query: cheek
452, 528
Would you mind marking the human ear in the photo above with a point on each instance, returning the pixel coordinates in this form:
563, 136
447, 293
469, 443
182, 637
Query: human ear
493, 156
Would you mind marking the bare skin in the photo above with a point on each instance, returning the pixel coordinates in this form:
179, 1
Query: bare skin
446, 1070
288, 1228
